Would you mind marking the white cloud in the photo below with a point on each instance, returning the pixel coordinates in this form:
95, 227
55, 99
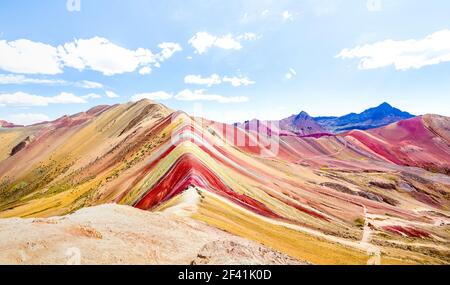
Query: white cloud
22, 99
28, 119
92, 96
203, 41
188, 95
108, 94
25, 56
168, 49
145, 70
374, 5
227, 42
97, 53
199, 95
111, 94
265, 13
90, 85
159, 95
214, 79
73, 5
65, 98
21, 79
287, 16
10, 79
403, 55
238, 81
290, 74
248, 37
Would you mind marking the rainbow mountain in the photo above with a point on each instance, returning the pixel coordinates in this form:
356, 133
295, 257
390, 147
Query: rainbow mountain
378, 196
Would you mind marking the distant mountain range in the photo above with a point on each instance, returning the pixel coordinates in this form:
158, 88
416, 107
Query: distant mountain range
5, 124
302, 124
305, 125
372, 118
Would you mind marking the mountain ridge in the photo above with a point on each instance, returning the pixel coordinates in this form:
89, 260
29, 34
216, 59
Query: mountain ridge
303, 124
299, 195
6, 124
372, 118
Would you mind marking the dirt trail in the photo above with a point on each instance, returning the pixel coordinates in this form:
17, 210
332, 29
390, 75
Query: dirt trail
373, 251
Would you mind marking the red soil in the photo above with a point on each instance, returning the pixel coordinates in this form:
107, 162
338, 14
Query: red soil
408, 231
189, 171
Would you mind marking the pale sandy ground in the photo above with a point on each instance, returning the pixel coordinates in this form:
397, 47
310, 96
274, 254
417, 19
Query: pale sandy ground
113, 234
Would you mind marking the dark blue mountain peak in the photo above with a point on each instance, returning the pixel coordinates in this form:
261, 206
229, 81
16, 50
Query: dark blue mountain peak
302, 115
381, 115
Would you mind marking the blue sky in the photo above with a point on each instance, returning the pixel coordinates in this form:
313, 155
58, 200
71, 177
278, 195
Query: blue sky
225, 60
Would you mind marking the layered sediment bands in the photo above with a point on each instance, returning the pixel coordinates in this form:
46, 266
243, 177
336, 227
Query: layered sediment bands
314, 198
189, 171
413, 142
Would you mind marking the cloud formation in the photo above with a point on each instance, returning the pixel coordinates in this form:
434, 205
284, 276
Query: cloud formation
108, 93
188, 95
14, 79
145, 70
26, 119
89, 84
215, 79
92, 96
25, 56
158, 95
203, 41
22, 99
97, 53
200, 95
167, 50
287, 16
403, 55
290, 74
111, 94
236, 81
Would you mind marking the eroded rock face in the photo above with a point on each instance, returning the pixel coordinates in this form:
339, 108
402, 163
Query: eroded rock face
20, 146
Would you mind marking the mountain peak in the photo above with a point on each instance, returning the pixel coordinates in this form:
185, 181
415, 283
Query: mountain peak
301, 124
6, 124
384, 110
385, 105
302, 115
379, 116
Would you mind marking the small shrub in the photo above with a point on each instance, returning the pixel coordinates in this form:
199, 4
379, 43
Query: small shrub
359, 222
